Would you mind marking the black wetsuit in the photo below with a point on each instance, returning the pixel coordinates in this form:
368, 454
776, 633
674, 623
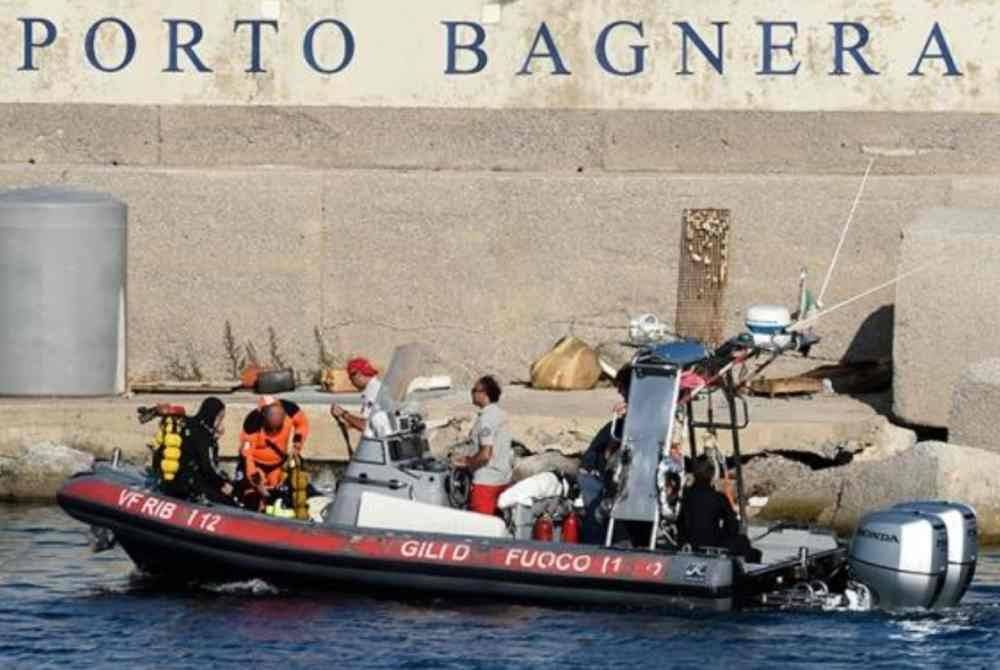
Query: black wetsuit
708, 520
198, 475
597, 467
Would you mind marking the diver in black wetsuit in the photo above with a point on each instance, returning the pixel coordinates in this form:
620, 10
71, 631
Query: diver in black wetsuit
198, 476
597, 466
707, 518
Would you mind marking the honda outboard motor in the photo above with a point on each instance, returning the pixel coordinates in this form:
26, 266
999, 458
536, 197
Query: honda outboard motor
901, 556
963, 545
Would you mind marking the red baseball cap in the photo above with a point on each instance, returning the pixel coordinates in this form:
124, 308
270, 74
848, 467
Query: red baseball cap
361, 366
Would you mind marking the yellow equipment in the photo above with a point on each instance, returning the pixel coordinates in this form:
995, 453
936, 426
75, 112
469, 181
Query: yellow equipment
300, 487
168, 440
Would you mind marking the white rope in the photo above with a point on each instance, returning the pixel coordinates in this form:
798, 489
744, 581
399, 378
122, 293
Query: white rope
843, 234
798, 325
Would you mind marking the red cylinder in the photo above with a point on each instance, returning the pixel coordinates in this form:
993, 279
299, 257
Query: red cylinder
166, 409
571, 528
542, 530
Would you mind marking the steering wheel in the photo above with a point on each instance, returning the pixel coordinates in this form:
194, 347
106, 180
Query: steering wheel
458, 485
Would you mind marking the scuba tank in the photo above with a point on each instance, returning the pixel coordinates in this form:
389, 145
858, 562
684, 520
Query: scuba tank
167, 442
170, 438
299, 479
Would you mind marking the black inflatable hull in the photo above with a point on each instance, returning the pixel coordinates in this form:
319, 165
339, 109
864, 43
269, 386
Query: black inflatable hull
198, 542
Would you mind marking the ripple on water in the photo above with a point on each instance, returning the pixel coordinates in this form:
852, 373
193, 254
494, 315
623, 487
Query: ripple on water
61, 604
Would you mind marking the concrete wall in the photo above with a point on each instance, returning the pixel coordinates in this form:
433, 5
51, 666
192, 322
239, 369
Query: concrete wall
487, 233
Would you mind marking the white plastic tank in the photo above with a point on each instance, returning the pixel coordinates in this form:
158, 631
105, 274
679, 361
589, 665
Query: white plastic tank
62, 293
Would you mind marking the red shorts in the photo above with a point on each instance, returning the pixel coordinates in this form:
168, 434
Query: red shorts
483, 497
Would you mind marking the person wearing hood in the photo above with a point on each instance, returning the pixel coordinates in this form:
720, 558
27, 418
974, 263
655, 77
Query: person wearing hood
198, 476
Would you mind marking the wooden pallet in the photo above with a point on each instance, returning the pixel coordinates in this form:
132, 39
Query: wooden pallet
206, 386
847, 378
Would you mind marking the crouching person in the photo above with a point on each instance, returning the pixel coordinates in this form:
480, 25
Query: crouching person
272, 433
492, 463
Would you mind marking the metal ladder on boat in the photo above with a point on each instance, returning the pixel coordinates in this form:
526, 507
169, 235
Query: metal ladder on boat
649, 426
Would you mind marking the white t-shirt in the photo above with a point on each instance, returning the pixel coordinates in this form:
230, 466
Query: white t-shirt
377, 421
491, 428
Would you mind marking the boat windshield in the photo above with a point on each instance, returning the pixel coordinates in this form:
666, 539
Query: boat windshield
408, 363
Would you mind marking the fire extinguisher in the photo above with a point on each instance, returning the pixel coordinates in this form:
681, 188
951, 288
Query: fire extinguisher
571, 528
542, 530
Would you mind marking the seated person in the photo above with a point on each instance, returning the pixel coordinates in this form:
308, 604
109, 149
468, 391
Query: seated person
492, 464
707, 519
272, 433
372, 421
198, 477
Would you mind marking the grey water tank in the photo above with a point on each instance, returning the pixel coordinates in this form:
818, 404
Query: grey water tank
62, 293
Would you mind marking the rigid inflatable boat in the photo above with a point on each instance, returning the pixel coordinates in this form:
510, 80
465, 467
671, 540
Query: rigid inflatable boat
395, 523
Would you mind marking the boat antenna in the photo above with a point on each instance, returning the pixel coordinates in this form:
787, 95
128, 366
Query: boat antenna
843, 233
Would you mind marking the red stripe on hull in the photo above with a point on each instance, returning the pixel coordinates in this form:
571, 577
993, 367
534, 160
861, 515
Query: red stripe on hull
515, 557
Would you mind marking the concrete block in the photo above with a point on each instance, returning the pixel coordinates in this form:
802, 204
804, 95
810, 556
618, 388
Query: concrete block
946, 316
838, 497
383, 137
974, 405
764, 142
79, 134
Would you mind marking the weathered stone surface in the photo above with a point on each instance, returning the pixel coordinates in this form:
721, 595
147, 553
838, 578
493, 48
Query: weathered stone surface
762, 476
39, 471
494, 268
79, 134
489, 267
885, 441
974, 406
693, 142
810, 142
344, 137
838, 497
945, 316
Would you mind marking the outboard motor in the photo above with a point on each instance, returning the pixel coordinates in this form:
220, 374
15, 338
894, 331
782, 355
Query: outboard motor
901, 556
963, 545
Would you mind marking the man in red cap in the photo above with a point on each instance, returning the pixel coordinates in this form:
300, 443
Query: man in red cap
371, 422
270, 433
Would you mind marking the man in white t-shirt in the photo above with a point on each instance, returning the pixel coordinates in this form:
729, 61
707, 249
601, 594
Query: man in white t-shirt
373, 420
492, 463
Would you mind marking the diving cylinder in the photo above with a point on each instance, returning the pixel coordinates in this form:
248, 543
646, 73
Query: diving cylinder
169, 437
300, 488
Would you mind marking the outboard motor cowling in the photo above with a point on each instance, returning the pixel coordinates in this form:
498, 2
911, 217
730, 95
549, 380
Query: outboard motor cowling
901, 556
963, 545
